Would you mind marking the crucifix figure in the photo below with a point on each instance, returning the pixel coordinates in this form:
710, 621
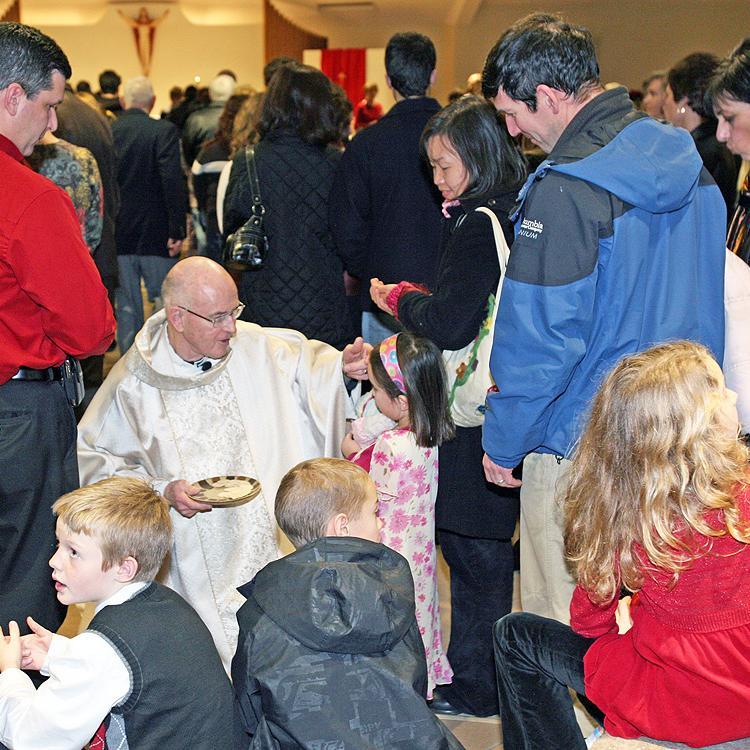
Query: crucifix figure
144, 32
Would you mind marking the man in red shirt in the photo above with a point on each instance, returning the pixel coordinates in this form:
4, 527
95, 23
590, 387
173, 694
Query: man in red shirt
53, 308
367, 111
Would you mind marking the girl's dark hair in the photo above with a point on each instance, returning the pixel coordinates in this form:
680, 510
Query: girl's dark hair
690, 77
479, 137
731, 79
343, 109
299, 101
421, 364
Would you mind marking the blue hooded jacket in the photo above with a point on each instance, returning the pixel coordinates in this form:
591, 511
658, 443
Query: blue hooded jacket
619, 246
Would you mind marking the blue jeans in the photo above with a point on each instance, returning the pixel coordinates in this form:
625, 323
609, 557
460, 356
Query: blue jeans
128, 299
377, 326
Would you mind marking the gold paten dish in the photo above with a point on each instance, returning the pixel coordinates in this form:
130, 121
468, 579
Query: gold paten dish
227, 491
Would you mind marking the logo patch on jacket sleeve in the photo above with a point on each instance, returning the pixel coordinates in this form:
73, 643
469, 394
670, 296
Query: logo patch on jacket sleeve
531, 228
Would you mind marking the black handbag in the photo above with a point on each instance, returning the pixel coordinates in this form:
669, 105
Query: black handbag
245, 249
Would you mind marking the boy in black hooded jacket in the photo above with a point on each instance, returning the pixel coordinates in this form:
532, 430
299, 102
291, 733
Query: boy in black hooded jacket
329, 653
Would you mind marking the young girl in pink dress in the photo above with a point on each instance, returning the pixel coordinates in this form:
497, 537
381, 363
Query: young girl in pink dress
409, 387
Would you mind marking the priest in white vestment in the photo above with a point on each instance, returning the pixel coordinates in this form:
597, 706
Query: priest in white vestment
200, 394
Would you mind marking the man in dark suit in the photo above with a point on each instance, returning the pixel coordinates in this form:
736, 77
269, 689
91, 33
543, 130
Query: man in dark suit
82, 125
384, 210
150, 226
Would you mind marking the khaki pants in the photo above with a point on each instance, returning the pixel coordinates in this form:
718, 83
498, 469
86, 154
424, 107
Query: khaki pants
546, 583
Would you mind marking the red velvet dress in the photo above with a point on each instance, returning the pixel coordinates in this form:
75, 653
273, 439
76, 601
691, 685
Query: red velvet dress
682, 673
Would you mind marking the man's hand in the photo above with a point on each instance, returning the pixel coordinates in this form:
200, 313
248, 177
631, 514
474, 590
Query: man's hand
379, 293
178, 494
355, 359
35, 645
499, 475
10, 647
174, 247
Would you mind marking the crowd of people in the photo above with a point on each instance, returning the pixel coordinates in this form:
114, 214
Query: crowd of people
313, 265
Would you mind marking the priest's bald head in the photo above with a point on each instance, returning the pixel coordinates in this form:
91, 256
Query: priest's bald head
200, 299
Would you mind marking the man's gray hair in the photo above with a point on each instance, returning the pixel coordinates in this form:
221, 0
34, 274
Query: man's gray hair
29, 58
138, 92
221, 88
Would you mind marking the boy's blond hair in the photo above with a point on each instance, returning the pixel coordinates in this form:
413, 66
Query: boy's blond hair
314, 491
127, 517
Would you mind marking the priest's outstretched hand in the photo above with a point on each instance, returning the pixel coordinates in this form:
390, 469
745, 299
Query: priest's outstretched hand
178, 494
355, 358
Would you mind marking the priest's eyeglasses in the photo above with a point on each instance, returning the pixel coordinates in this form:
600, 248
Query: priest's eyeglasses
217, 320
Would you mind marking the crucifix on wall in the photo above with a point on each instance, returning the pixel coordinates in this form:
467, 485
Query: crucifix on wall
144, 34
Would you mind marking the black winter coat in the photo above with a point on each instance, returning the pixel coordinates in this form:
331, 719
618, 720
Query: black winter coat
467, 274
301, 284
329, 654
385, 210
82, 125
153, 192
718, 160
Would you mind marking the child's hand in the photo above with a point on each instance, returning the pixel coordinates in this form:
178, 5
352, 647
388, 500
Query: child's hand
34, 647
10, 647
349, 445
623, 616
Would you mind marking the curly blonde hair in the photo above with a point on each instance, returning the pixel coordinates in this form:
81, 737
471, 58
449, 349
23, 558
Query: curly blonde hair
655, 457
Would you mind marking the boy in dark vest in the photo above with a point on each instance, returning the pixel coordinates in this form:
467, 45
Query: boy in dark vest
329, 653
145, 673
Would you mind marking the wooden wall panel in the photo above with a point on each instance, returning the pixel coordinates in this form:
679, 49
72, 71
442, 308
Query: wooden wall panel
13, 13
282, 37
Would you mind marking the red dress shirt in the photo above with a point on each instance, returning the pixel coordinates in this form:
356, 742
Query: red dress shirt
682, 672
52, 300
366, 114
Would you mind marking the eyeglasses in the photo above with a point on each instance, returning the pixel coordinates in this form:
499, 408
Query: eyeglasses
217, 320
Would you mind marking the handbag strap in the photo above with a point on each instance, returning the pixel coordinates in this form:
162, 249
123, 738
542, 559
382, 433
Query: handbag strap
252, 178
503, 253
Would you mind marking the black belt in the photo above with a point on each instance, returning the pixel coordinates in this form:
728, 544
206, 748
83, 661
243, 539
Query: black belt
48, 373
68, 374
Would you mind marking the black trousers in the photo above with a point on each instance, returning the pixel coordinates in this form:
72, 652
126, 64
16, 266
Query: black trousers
537, 660
481, 593
37, 465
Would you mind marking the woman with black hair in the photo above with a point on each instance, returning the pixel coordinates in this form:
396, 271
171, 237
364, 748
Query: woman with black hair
729, 95
475, 164
206, 169
300, 284
684, 107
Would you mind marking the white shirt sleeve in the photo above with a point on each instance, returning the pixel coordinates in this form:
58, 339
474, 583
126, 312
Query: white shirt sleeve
86, 678
221, 191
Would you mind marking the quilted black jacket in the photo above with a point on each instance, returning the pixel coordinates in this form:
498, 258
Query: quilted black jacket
301, 283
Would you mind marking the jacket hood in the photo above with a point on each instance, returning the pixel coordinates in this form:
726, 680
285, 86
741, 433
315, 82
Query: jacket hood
338, 594
643, 162
663, 166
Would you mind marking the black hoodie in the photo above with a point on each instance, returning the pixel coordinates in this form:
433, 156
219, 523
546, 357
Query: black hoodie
329, 654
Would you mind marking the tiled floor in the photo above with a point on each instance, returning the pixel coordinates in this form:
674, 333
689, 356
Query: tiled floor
476, 734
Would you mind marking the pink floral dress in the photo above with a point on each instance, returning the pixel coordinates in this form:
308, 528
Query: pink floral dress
406, 476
